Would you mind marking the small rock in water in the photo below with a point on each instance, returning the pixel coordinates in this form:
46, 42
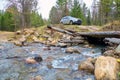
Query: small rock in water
38, 58
89, 79
47, 48
109, 53
34, 60
92, 51
49, 66
1, 47
38, 78
18, 43
87, 66
30, 61
63, 45
72, 50
87, 46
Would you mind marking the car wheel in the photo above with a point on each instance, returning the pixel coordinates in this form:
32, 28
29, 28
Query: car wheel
71, 22
79, 22
61, 22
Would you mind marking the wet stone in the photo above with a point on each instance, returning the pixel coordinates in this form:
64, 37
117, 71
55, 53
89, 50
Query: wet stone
63, 45
72, 50
87, 66
38, 78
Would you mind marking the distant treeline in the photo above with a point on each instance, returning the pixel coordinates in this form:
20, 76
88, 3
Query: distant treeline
11, 22
20, 14
100, 12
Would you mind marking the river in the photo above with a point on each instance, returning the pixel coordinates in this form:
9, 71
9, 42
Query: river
56, 64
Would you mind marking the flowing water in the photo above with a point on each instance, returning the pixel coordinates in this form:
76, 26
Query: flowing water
56, 64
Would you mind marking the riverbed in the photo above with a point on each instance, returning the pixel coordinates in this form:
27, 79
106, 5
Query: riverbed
56, 64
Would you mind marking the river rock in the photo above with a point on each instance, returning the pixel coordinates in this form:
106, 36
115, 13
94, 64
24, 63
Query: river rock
38, 78
28, 31
87, 65
63, 45
36, 34
35, 39
22, 39
118, 49
109, 53
18, 43
30, 61
34, 60
112, 53
87, 46
38, 58
72, 50
18, 32
89, 79
106, 68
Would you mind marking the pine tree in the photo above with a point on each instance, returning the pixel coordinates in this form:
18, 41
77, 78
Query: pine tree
105, 9
117, 7
89, 18
36, 19
55, 15
77, 11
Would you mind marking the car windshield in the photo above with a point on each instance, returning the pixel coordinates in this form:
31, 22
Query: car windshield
66, 17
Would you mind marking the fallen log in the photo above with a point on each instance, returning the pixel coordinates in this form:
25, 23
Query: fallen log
101, 34
60, 30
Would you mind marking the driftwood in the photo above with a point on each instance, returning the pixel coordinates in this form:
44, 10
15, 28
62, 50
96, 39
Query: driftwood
102, 34
59, 30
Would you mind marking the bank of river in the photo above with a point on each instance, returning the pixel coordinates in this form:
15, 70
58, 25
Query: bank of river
56, 64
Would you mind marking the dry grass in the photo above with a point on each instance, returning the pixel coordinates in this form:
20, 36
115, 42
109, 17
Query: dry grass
79, 28
112, 26
4, 35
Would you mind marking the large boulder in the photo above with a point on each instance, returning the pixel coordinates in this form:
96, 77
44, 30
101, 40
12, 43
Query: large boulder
106, 68
87, 65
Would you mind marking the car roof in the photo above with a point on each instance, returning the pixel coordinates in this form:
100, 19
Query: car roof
71, 17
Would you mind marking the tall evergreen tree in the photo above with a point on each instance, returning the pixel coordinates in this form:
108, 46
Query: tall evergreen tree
36, 19
76, 11
6, 21
117, 7
55, 15
105, 9
89, 18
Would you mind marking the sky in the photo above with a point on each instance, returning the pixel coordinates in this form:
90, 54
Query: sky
44, 6
2, 4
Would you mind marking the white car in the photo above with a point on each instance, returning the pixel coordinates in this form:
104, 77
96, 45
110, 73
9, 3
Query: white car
70, 20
